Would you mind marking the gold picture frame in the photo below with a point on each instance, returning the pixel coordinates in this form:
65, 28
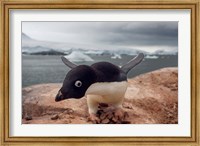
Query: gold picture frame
193, 5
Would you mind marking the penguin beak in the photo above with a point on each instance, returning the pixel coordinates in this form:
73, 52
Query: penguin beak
59, 97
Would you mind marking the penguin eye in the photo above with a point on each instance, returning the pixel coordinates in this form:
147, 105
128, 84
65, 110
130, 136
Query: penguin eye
78, 83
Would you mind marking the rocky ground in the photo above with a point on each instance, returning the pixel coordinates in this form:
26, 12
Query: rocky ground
151, 98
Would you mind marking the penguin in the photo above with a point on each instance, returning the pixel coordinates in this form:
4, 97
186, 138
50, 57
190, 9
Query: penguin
102, 82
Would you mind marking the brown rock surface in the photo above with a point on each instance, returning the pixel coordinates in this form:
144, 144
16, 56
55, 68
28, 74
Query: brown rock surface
150, 98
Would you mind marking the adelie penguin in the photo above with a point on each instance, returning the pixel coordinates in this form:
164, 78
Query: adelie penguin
101, 82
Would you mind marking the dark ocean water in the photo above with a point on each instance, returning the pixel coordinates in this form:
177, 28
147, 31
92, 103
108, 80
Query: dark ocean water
37, 69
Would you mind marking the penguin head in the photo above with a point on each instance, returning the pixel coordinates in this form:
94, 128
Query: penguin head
76, 82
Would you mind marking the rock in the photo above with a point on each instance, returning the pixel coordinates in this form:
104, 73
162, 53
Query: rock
27, 90
108, 115
151, 98
72, 117
69, 111
126, 115
67, 121
102, 116
105, 121
114, 119
55, 117
28, 117
126, 122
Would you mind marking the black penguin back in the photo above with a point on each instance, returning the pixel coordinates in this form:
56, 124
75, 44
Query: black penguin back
108, 72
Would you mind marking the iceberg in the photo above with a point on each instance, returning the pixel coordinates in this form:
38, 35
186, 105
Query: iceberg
77, 56
151, 57
94, 52
116, 56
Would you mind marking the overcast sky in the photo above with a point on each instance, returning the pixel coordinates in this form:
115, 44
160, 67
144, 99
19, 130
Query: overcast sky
149, 36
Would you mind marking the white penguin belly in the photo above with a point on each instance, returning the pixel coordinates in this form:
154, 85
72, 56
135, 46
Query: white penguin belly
108, 92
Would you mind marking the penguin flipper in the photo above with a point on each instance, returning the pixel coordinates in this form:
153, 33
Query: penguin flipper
132, 63
68, 63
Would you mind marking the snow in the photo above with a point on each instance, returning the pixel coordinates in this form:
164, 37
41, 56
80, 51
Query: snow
94, 52
165, 52
151, 57
116, 56
77, 56
126, 51
35, 49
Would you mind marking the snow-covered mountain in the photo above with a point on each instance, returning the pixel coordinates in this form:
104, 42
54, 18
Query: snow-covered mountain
35, 49
33, 46
25, 37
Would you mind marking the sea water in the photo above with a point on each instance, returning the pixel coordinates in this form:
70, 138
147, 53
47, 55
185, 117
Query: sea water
39, 69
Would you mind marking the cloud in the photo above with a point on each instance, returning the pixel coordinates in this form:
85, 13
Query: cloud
143, 33
112, 34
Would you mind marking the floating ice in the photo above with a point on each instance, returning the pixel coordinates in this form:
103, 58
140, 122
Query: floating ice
151, 57
116, 56
77, 56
